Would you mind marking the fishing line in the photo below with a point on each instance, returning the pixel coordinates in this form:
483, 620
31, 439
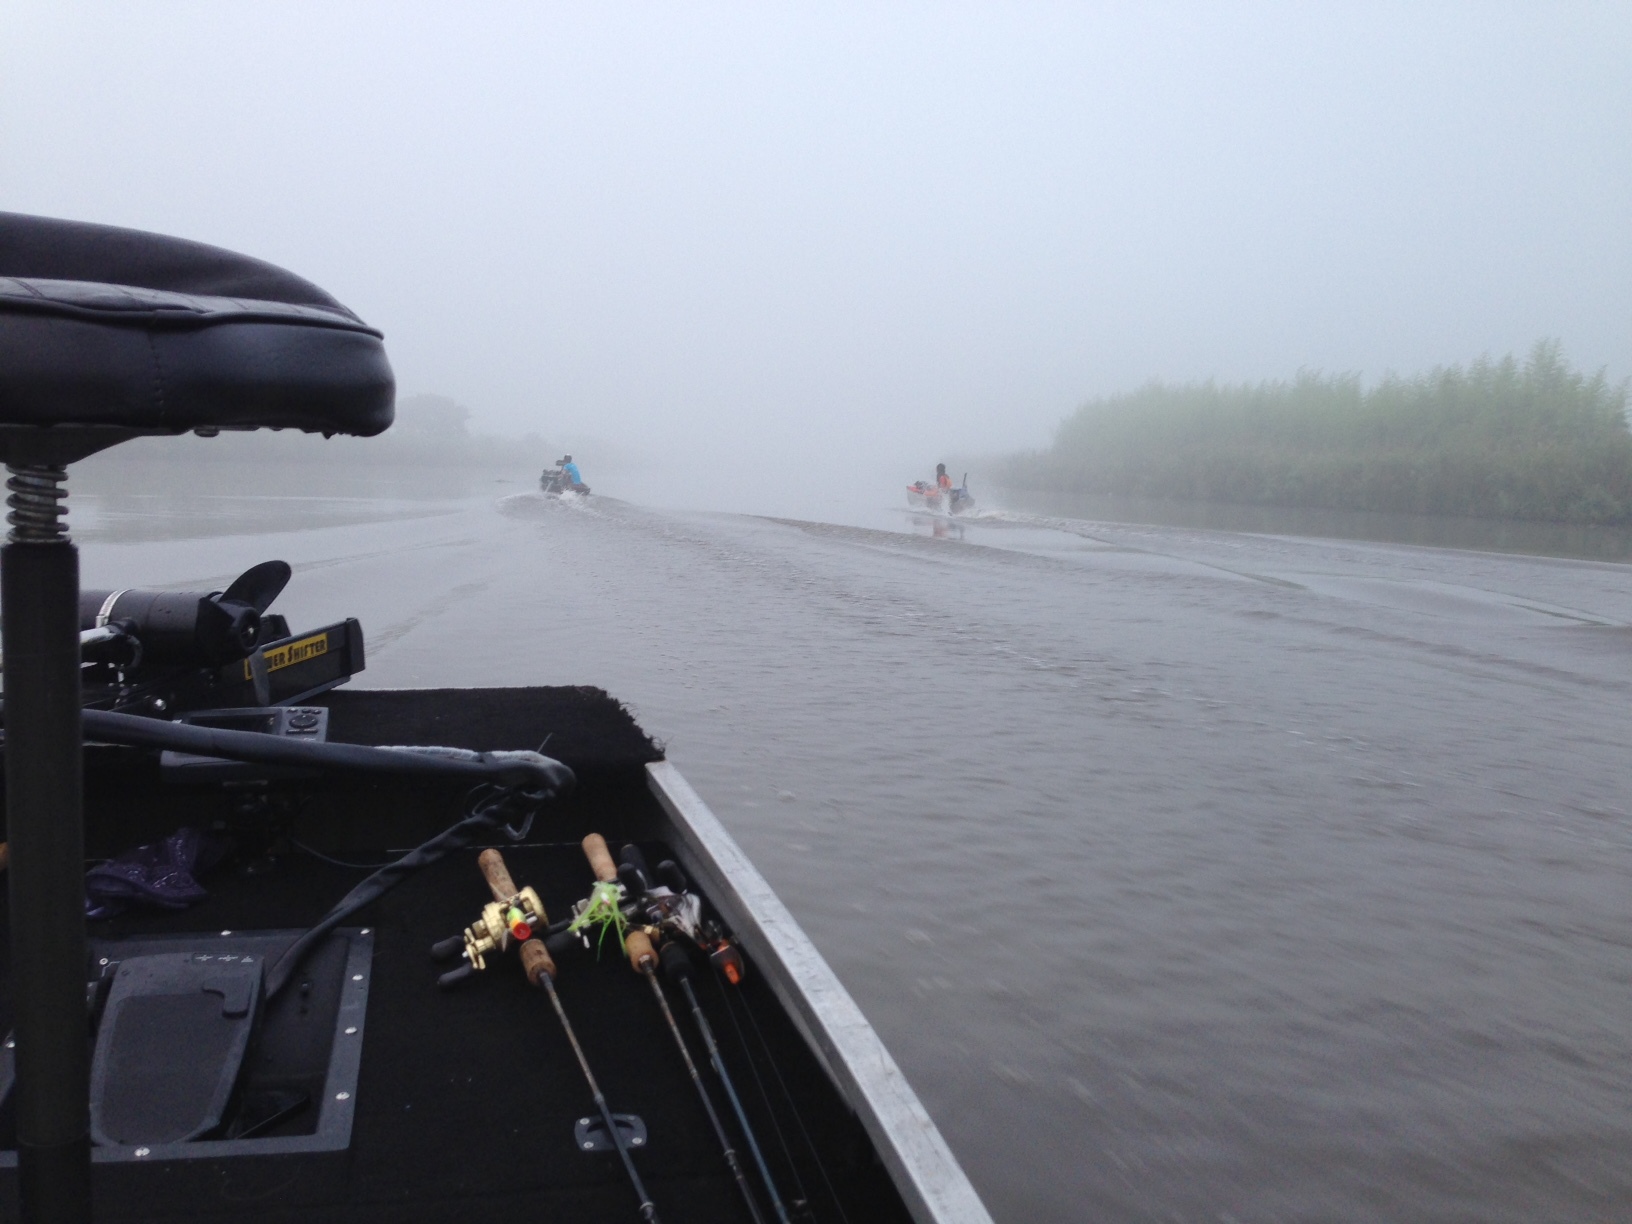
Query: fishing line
678, 966
334, 862
765, 1097
793, 1106
644, 960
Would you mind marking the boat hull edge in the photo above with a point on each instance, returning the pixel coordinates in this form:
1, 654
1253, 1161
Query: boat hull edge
932, 1183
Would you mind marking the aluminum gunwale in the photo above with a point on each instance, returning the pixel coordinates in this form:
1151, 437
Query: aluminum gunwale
932, 1183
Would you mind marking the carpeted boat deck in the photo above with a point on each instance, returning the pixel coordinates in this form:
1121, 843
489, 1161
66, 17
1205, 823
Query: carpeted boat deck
465, 1101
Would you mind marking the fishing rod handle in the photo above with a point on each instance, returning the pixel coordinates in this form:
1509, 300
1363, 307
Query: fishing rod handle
642, 956
447, 949
535, 959
600, 859
498, 875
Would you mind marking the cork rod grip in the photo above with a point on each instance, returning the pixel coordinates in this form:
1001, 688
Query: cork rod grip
600, 858
498, 875
639, 947
535, 959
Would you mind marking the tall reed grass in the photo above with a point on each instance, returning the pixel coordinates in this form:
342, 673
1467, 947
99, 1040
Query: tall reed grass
1535, 439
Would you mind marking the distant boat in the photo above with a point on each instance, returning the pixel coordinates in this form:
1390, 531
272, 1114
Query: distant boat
925, 495
556, 481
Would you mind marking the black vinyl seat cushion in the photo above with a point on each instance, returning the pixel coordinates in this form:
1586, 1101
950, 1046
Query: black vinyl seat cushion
122, 330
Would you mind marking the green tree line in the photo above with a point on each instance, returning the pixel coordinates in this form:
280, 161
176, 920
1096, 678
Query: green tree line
1535, 439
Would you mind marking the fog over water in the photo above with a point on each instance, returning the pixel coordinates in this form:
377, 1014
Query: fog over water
1214, 869
745, 248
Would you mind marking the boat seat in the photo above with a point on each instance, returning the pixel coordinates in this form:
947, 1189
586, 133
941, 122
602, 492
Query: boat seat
106, 333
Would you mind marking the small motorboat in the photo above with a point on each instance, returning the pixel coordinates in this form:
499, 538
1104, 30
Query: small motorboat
923, 495
556, 482
927, 495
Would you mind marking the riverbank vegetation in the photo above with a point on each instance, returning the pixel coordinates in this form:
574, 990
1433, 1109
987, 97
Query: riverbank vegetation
1535, 439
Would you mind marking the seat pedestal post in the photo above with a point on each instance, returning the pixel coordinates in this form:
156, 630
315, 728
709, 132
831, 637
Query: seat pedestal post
39, 614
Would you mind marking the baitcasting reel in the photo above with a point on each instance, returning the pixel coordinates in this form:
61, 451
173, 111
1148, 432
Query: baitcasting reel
512, 915
659, 903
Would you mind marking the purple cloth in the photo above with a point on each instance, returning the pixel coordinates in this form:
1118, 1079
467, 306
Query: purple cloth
160, 875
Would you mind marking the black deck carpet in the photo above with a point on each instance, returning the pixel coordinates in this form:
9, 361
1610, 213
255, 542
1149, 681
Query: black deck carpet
580, 726
466, 1099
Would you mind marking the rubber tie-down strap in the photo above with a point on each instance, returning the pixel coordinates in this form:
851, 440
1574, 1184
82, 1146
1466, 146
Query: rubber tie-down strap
530, 771
492, 808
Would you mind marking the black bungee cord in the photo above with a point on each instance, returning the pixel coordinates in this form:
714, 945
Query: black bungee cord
488, 808
512, 787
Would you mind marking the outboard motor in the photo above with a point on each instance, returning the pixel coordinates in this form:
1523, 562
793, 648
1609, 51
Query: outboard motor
190, 628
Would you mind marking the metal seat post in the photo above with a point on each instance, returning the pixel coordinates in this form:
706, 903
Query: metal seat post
39, 616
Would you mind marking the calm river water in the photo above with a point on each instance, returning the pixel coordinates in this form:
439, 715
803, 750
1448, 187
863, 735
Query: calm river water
1189, 875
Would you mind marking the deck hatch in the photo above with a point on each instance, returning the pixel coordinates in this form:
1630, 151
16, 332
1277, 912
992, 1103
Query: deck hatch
298, 1088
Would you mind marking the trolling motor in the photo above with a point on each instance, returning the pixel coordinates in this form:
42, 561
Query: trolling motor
165, 652
187, 628
128, 628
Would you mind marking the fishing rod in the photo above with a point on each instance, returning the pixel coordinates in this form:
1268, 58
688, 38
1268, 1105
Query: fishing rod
512, 915
674, 909
677, 965
637, 944
625, 897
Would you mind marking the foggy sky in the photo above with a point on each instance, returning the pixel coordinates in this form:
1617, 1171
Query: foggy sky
773, 242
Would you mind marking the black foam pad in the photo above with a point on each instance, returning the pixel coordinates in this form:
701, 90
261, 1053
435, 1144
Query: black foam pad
172, 1040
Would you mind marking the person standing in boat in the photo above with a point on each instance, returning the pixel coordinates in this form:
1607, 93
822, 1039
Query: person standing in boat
943, 482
